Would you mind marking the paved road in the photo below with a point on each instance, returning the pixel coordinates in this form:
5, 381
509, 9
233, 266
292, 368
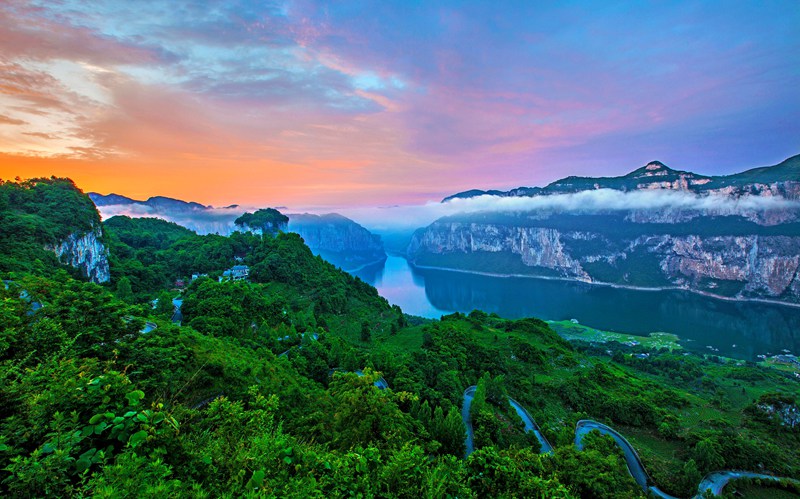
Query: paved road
714, 482
469, 394
530, 425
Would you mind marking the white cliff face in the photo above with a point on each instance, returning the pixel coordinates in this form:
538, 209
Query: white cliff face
536, 246
87, 253
765, 267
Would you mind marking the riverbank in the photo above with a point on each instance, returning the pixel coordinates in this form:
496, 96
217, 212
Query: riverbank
608, 284
368, 264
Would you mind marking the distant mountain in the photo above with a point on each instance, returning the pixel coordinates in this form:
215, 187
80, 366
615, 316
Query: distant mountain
782, 179
111, 199
338, 239
335, 238
735, 236
156, 202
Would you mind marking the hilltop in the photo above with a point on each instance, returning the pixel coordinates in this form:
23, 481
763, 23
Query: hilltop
783, 179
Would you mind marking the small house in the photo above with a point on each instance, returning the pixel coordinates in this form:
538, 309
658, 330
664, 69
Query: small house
236, 273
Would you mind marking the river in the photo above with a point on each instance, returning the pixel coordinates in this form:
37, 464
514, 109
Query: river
740, 330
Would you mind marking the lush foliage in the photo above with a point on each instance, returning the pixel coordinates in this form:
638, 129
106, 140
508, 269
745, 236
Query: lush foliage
40, 213
265, 221
268, 387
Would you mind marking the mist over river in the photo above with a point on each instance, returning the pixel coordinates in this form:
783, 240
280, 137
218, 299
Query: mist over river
700, 322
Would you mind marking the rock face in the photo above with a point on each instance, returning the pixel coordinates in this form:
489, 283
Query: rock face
728, 243
763, 266
338, 239
87, 253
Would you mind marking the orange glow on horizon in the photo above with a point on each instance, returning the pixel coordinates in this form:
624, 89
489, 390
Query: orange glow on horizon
261, 183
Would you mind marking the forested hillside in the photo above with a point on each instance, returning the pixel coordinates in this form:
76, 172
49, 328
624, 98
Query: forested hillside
275, 386
39, 213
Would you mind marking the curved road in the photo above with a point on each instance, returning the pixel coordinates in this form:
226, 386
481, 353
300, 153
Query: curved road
713, 482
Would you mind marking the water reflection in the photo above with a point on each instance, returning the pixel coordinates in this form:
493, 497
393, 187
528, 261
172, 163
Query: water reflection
754, 328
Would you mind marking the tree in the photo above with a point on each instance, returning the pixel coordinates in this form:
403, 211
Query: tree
365, 415
449, 431
706, 455
366, 334
164, 305
266, 221
124, 291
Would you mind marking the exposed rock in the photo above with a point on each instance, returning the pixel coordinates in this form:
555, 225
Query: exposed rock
87, 253
739, 266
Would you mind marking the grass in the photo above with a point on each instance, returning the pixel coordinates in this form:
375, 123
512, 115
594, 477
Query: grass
755, 492
406, 340
572, 331
780, 366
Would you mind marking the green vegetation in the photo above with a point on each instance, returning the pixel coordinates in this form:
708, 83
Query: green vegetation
255, 393
265, 221
578, 332
757, 488
40, 213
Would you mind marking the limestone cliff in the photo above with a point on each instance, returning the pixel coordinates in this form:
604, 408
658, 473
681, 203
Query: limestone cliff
739, 237
86, 252
338, 239
762, 265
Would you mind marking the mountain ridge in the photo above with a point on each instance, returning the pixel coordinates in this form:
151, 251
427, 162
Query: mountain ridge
663, 177
153, 201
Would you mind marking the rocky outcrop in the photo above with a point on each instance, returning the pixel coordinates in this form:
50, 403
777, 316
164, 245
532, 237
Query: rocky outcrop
338, 239
736, 236
86, 252
759, 266
535, 247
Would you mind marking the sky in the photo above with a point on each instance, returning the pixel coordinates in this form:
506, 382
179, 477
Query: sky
352, 104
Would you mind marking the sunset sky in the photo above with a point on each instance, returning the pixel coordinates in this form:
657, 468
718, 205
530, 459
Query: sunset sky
332, 104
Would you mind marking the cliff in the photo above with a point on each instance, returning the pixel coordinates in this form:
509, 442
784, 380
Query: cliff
736, 236
725, 256
49, 222
85, 252
338, 239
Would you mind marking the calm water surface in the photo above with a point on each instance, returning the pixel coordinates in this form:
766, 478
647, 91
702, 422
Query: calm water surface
701, 322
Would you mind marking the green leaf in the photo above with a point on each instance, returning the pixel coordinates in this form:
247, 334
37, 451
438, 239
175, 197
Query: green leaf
134, 397
137, 438
97, 418
98, 429
256, 480
46, 448
82, 465
287, 460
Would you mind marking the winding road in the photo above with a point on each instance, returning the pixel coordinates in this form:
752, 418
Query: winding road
714, 482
